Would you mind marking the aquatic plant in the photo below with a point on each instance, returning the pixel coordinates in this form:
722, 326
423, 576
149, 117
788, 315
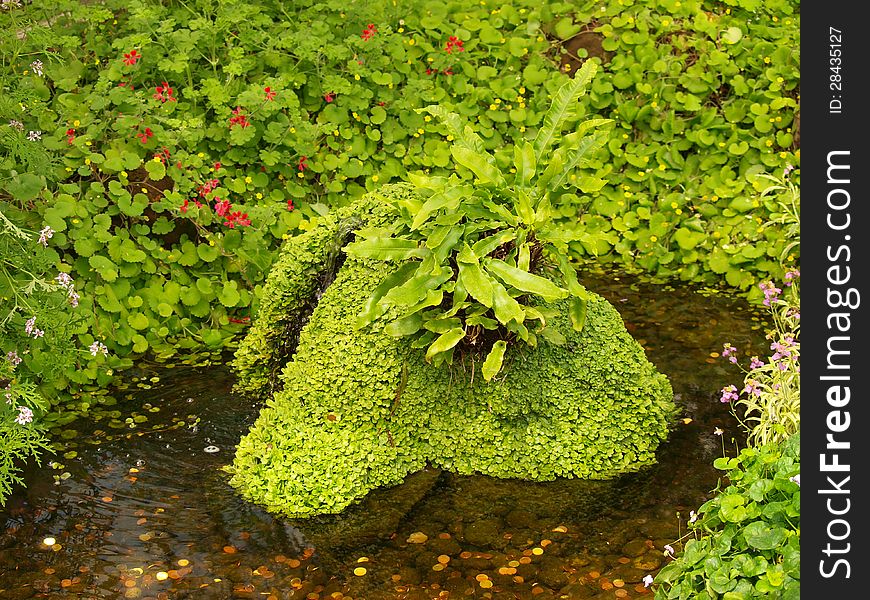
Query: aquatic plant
356, 409
744, 542
473, 250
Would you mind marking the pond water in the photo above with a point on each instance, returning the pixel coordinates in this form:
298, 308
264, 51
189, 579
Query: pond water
140, 507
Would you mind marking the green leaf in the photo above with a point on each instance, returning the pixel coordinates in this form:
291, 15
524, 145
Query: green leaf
564, 108
372, 309
445, 342
486, 245
493, 362
577, 313
476, 283
156, 170
386, 248
763, 536
525, 281
487, 172
404, 326
576, 155
505, 306
449, 199
525, 163
138, 321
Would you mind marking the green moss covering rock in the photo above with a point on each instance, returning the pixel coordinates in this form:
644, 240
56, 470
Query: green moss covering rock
358, 409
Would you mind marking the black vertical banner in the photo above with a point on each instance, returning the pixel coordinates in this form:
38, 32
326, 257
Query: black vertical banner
835, 240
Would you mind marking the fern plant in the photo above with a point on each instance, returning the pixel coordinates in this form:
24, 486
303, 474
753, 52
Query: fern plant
475, 248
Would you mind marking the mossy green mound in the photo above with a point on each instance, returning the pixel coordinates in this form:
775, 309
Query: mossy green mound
358, 409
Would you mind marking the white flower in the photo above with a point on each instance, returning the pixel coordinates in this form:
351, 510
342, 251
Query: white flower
25, 415
669, 550
30, 328
12, 357
73, 298
15, 124
718, 431
45, 234
64, 280
34, 136
647, 581
796, 479
37, 67
98, 348
693, 516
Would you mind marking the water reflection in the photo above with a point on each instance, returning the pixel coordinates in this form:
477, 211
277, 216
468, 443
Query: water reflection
145, 511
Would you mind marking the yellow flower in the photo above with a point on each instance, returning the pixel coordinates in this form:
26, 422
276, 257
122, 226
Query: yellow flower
679, 211
356, 76
300, 175
493, 107
375, 178
200, 154
401, 30
522, 90
653, 238
766, 59
76, 123
411, 42
259, 196
87, 161
420, 131
674, 205
292, 130
427, 118
248, 179
522, 128
88, 143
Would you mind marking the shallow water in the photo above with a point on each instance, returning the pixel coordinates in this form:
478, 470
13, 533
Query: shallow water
143, 510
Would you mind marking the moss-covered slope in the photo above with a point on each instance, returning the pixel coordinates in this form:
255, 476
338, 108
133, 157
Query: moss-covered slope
357, 409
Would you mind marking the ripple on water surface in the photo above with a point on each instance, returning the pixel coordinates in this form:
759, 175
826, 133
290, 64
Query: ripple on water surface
145, 510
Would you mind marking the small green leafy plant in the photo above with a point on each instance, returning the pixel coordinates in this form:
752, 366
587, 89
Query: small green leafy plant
745, 542
474, 247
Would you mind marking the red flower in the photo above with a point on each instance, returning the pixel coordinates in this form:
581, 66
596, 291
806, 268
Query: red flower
217, 166
239, 320
183, 207
237, 218
164, 93
163, 155
290, 204
208, 187
369, 32
454, 44
239, 118
329, 96
303, 163
270, 93
132, 57
222, 207
144, 137
70, 136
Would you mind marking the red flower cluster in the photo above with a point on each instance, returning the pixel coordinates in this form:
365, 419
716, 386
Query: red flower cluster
329, 96
222, 207
237, 218
164, 93
369, 32
303, 163
270, 93
70, 136
132, 57
290, 204
454, 44
239, 118
208, 187
144, 137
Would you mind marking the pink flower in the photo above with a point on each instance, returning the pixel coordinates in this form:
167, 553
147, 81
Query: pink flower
25, 415
329, 96
222, 207
270, 93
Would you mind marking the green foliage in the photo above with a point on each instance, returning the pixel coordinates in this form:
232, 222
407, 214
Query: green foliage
746, 541
478, 240
695, 107
360, 409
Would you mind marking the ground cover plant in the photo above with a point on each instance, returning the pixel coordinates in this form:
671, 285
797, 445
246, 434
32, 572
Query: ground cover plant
170, 147
245, 122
